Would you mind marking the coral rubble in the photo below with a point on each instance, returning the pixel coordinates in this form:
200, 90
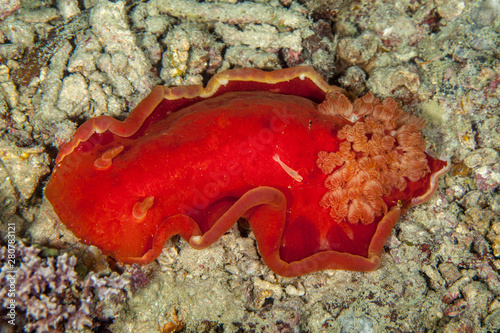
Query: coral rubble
439, 58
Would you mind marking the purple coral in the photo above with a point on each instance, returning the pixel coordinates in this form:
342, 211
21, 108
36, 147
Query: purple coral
51, 294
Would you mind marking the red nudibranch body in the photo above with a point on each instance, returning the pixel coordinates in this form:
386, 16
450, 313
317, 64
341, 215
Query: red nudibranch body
321, 180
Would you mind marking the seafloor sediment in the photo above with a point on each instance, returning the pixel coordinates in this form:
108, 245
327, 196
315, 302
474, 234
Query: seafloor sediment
65, 61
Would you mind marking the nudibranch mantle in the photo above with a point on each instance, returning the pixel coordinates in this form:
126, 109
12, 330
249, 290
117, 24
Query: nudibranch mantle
321, 179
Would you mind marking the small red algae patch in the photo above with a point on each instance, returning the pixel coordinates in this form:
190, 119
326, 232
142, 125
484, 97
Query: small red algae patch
321, 179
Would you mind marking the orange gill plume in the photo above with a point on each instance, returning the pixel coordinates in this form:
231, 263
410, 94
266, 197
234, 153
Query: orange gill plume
383, 149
